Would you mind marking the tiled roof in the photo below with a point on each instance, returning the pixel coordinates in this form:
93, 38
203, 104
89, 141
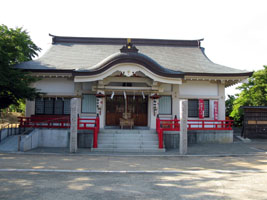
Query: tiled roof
70, 53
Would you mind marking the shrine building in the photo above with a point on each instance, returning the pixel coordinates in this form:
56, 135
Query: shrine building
138, 80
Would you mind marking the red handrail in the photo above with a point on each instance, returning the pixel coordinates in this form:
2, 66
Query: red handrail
174, 125
61, 122
45, 122
90, 124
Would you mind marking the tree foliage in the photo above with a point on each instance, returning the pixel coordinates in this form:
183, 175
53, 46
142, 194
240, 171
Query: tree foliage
16, 46
253, 93
229, 105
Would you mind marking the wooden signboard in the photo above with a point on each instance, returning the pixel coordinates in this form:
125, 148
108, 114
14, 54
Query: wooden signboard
216, 109
201, 108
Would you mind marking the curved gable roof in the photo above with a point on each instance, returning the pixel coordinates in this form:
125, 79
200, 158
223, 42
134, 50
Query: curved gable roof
137, 58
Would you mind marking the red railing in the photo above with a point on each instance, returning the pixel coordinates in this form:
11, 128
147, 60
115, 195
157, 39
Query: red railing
174, 125
90, 124
210, 124
45, 121
61, 122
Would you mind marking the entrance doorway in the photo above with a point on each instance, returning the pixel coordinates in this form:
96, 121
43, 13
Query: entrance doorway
136, 105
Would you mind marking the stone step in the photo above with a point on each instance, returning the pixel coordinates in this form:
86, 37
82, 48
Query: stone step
118, 131
151, 142
127, 145
128, 150
130, 146
126, 138
116, 140
143, 143
127, 141
128, 131
128, 135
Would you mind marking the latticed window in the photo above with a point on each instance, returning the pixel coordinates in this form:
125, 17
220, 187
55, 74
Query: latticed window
165, 105
206, 108
66, 108
39, 106
89, 103
193, 108
52, 106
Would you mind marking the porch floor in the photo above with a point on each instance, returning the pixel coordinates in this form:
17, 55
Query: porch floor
134, 128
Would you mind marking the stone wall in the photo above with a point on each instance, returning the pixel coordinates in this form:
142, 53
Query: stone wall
171, 138
3, 134
45, 138
85, 139
54, 138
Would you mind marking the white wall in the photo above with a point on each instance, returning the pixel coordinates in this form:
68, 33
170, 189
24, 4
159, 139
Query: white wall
221, 114
175, 101
198, 88
166, 87
30, 108
55, 86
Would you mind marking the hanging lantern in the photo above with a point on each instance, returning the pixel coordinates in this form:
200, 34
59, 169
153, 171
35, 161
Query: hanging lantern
100, 95
154, 96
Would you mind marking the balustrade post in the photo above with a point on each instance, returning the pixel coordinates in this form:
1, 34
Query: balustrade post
160, 138
95, 138
97, 122
157, 123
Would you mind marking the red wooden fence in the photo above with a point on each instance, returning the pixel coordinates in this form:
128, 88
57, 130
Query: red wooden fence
174, 125
61, 122
90, 124
45, 121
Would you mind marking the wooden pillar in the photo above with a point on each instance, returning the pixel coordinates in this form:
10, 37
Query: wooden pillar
175, 100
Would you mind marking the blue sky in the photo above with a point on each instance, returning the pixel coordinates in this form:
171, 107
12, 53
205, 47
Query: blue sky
234, 32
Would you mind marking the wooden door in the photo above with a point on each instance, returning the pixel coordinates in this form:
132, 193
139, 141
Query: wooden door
137, 106
139, 109
114, 109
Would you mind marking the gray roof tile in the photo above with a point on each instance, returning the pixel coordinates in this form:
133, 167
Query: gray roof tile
74, 56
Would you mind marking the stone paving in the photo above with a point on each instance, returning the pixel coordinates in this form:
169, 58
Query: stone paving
209, 171
83, 176
236, 148
256, 146
9, 144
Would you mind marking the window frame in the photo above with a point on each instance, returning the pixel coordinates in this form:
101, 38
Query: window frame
171, 104
208, 111
197, 116
53, 112
82, 104
206, 114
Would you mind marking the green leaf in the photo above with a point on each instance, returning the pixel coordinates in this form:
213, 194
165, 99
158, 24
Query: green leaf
16, 46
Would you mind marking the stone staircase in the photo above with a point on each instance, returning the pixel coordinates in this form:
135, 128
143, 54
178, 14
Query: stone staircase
116, 140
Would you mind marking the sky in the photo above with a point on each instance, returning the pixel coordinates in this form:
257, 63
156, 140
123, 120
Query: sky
234, 31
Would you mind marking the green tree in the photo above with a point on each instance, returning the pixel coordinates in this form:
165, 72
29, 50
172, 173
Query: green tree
253, 93
16, 46
229, 105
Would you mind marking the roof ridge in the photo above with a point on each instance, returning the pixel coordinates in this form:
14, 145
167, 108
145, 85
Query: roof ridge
122, 41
